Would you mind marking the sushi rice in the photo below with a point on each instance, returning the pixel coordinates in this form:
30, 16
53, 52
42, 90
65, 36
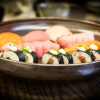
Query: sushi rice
96, 54
49, 59
10, 55
81, 57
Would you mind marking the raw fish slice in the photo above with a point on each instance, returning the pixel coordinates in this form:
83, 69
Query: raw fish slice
81, 37
38, 48
84, 44
70, 50
89, 35
46, 46
33, 48
66, 41
9, 37
58, 28
55, 46
92, 42
57, 31
56, 34
19, 47
78, 38
27, 44
84, 36
36, 35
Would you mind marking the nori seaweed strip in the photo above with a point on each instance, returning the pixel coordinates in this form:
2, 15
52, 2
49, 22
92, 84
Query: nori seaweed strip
35, 56
69, 57
59, 57
20, 55
90, 53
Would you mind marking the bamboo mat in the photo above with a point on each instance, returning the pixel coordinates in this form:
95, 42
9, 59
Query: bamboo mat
13, 88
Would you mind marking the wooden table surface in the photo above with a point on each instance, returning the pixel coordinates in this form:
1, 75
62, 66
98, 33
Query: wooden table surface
14, 88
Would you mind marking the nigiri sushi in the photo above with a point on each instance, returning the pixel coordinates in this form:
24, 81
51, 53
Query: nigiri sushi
8, 37
67, 41
36, 35
57, 31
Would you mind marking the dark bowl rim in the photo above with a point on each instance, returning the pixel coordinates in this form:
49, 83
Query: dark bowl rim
52, 18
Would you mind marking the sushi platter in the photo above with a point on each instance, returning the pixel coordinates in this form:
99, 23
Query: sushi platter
50, 48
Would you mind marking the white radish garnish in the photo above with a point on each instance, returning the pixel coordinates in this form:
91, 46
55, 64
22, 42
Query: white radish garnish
93, 46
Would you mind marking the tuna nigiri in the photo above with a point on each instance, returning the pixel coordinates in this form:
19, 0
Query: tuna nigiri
38, 48
44, 46
36, 35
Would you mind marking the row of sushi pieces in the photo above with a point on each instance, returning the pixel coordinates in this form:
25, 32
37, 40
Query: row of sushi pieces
81, 55
23, 55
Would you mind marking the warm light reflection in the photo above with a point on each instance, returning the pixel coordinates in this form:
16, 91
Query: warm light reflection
29, 27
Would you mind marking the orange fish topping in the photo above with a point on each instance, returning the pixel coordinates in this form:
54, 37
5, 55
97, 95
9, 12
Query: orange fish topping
8, 37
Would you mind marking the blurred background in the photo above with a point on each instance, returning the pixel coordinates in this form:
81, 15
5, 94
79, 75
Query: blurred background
23, 9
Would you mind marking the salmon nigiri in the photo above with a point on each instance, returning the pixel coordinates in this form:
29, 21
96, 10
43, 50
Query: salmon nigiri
84, 44
9, 37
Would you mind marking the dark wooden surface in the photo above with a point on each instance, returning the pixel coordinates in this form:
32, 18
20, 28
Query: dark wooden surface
13, 88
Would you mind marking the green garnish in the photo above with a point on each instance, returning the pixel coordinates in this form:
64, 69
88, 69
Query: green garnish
27, 56
54, 49
10, 44
82, 61
85, 49
7, 57
96, 45
80, 46
22, 51
59, 52
65, 50
13, 45
75, 54
66, 54
90, 51
48, 62
24, 48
